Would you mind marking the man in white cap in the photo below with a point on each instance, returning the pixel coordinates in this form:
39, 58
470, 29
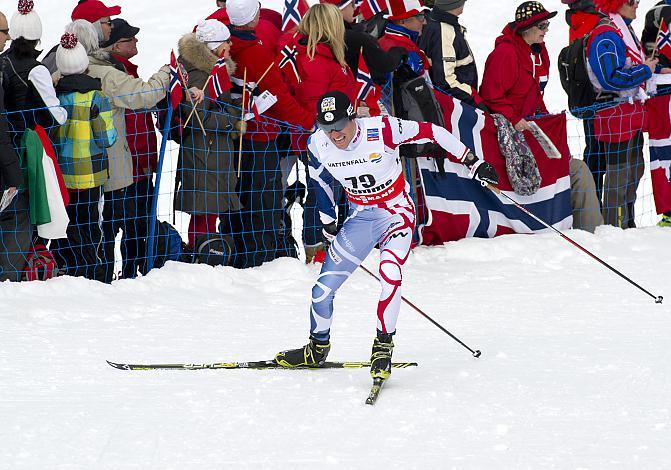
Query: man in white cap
262, 217
21, 67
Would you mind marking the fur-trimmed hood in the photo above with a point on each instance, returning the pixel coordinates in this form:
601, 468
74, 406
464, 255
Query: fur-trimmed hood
198, 55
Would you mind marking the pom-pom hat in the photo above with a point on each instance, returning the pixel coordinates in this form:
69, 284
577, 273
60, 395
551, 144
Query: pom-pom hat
25, 22
71, 56
529, 14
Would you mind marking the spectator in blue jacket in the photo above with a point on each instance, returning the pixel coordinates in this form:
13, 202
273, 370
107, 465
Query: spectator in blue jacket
618, 69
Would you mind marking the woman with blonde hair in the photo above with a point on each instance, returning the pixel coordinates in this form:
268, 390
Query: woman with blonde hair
320, 67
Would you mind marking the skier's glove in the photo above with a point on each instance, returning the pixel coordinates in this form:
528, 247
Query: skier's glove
480, 170
329, 231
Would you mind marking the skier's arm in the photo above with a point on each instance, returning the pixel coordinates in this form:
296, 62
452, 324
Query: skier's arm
398, 132
321, 183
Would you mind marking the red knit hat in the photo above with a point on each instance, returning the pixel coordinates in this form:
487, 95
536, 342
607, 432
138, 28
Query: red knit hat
93, 10
403, 9
529, 14
609, 6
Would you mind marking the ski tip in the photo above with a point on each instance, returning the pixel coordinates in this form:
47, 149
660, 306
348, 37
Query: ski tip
477, 353
118, 366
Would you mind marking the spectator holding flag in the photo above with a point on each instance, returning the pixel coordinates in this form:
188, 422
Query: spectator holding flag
206, 169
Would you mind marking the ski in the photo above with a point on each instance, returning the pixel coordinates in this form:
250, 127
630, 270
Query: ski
250, 365
375, 391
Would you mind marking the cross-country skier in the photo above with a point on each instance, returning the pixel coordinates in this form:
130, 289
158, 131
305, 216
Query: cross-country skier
363, 155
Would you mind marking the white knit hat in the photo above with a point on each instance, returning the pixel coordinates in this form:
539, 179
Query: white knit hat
71, 57
212, 33
25, 22
241, 12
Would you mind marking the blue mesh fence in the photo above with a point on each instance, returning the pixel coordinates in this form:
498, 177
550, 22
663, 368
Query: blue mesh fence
199, 193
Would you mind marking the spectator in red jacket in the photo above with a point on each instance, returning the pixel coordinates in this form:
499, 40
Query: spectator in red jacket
321, 67
581, 18
516, 71
142, 143
261, 221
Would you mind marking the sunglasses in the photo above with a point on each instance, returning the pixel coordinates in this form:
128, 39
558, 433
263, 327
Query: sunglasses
108, 23
543, 25
125, 40
336, 126
4, 31
633, 3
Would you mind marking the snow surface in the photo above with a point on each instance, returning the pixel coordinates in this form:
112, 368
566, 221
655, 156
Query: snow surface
574, 372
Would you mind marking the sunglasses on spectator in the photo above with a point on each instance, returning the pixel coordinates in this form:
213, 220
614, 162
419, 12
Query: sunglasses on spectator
633, 3
108, 23
5, 31
125, 40
543, 25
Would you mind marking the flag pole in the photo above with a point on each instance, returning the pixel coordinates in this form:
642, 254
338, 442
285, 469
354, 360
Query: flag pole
188, 118
181, 78
659, 31
242, 118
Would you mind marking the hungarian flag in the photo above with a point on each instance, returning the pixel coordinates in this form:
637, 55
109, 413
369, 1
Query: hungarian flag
659, 139
219, 82
368, 91
293, 13
176, 85
370, 8
456, 206
664, 40
46, 188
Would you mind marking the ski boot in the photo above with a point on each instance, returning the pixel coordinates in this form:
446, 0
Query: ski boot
380, 358
666, 221
312, 354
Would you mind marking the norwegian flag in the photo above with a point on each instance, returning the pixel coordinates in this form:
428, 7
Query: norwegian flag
659, 133
176, 85
370, 8
368, 92
664, 40
458, 207
220, 81
293, 12
288, 65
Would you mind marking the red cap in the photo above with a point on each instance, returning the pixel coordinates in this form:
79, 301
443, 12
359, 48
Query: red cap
404, 9
93, 10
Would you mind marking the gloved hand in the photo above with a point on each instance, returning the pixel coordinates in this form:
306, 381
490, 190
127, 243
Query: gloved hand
483, 171
329, 231
480, 170
415, 62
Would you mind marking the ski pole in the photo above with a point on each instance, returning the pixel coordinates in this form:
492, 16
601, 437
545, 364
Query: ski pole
658, 299
475, 353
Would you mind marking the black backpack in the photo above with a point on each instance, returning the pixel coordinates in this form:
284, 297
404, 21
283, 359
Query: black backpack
574, 77
414, 101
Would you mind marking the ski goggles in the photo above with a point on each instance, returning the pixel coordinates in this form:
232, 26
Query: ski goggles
337, 126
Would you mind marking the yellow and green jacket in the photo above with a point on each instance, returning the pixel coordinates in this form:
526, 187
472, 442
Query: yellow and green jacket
82, 141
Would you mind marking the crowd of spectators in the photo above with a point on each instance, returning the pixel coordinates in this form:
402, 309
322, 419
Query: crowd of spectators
88, 94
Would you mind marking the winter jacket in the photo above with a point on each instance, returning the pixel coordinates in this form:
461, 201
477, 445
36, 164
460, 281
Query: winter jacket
206, 167
28, 87
661, 10
125, 92
82, 141
609, 64
10, 170
380, 63
515, 76
140, 133
250, 55
581, 18
454, 70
